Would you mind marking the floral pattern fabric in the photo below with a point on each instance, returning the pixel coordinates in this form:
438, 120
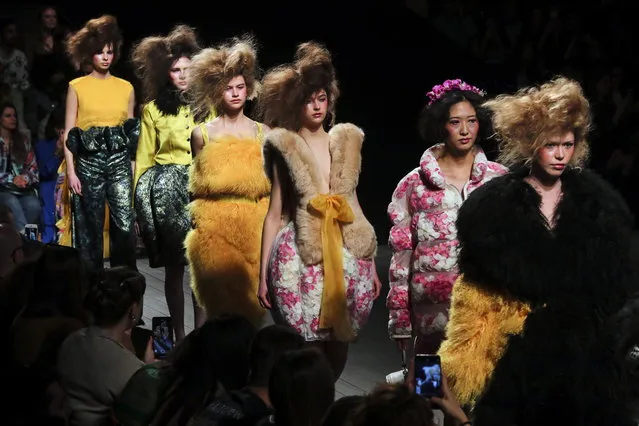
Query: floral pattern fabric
296, 288
423, 239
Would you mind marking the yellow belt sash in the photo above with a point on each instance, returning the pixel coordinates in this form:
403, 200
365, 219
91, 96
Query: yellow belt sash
334, 210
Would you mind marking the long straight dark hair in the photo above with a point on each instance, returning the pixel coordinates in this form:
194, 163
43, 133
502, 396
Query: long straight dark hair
19, 140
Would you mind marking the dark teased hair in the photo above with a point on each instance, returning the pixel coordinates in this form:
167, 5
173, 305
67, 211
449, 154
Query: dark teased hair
19, 147
301, 388
92, 38
433, 118
286, 88
342, 410
268, 345
393, 405
152, 58
216, 353
112, 293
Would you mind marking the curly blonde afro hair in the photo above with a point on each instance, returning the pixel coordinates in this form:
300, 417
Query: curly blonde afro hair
286, 88
92, 38
213, 68
153, 57
526, 121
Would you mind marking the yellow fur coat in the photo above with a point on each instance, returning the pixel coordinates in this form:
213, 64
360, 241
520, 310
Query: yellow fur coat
230, 198
476, 336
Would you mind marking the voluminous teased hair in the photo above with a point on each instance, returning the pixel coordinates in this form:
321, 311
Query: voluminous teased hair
213, 68
286, 88
92, 38
152, 58
526, 121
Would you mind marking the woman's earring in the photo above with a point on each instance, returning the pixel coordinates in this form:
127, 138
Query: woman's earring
132, 317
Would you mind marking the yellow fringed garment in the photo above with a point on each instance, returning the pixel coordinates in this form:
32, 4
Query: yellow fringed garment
64, 224
477, 333
334, 210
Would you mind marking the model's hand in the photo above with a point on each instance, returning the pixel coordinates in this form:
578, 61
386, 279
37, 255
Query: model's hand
20, 181
149, 356
402, 344
449, 404
262, 295
74, 184
377, 285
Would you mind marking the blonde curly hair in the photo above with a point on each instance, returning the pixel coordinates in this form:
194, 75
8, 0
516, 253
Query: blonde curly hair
153, 56
92, 38
212, 69
526, 121
286, 88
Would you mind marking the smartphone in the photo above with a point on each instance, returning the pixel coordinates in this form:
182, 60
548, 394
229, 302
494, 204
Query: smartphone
428, 376
31, 231
163, 341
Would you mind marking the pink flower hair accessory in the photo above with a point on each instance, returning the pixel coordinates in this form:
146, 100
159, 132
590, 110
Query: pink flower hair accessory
449, 85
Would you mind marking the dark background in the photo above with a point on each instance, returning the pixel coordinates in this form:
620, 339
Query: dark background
387, 57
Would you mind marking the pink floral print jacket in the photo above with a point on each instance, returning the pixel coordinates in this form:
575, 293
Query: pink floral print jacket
424, 243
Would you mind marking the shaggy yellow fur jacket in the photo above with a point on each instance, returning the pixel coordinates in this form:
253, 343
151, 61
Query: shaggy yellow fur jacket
480, 323
230, 198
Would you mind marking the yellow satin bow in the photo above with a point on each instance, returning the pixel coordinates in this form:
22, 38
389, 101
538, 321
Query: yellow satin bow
334, 210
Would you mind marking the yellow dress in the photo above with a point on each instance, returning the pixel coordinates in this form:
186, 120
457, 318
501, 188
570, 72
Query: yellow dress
230, 194
99, 104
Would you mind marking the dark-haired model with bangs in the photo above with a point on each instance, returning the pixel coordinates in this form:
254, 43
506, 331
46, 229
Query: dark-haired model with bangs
227, 184
162, 63
101, 137
423, 211
545, 268
318, 249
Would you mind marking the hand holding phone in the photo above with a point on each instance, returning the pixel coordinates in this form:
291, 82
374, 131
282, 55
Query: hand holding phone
163, 341
428, 376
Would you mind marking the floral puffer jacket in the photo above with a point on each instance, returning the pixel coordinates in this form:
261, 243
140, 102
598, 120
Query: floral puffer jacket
424, 243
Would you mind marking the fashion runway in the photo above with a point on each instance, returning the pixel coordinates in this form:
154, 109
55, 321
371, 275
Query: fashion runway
370, 359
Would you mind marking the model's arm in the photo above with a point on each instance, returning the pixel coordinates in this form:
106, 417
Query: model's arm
271, 227
70, 121
402, 243
197, 141
147, 145
131, 114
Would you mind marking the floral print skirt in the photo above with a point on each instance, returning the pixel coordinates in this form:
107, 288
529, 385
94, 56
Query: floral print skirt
296, 288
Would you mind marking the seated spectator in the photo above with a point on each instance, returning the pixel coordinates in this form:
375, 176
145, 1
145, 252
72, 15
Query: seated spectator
212, 362
18, 170
96, 362
398, 405
54, 308
249, 405
208, 361
301, 388
49, 154
11, 251
52, 291
341, 412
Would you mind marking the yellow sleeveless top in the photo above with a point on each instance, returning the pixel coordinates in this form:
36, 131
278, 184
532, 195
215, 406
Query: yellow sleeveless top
101, 102
205, 132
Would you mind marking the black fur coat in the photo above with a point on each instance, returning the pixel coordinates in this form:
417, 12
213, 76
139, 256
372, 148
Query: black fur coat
565, 367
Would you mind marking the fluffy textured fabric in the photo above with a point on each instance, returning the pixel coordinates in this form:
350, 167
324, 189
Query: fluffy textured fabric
481, 323
575, 277
231, 197
345, 147
169, 101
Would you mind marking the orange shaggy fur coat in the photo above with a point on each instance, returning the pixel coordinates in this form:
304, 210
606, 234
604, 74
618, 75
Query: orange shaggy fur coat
476, 337
230, 198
